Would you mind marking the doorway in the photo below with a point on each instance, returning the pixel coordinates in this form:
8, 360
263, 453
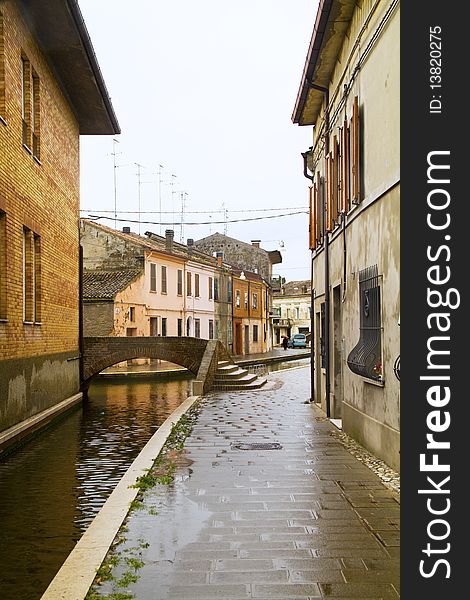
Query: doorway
238, 338
337, 354
247, 339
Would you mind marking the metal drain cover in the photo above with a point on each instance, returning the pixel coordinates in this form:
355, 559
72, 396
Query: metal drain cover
257, 446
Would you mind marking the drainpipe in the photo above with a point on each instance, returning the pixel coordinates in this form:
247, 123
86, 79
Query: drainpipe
327, 266
326, 333
312, 348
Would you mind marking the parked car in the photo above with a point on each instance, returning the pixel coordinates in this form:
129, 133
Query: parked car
298, 340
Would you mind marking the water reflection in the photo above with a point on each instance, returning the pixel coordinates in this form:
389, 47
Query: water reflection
52, 487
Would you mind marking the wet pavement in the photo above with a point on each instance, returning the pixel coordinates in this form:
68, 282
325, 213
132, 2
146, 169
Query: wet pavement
304, 521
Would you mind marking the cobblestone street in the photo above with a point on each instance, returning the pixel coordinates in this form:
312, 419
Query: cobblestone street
308, 520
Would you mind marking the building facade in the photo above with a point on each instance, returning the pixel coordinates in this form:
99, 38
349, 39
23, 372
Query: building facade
291, 310
250, 298
161, 288
47, 99
349, 94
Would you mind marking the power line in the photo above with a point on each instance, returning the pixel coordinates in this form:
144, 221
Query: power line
97, 217
197, 212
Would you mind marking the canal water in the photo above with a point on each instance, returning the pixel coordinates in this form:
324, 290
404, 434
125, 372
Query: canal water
51, 489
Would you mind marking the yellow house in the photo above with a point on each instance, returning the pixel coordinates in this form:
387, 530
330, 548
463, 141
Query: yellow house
349, 95
51, 92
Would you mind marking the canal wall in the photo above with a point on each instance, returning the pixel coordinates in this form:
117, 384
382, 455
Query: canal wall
35, 390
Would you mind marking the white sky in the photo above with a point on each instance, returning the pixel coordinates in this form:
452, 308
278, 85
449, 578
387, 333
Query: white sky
205, 88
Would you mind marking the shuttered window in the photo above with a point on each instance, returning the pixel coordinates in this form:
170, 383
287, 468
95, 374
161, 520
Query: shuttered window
164, 286
345, 168
355, 154
153, 277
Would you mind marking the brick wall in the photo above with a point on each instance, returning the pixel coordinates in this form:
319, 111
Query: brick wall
43, 196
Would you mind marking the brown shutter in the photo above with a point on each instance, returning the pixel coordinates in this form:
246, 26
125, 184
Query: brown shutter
355, 152
312, 241
329, 193
318, 209
334, 178
345, 168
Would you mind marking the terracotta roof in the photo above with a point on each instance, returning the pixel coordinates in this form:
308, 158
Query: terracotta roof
156, 242
104, 285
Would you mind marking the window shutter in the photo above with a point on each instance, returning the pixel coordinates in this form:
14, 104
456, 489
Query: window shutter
312, 241
318, 210
329, 193
335, 195
345, 168
355, 152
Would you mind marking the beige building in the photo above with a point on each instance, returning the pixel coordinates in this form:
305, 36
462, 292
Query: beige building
291, 310
145, 286
349, 95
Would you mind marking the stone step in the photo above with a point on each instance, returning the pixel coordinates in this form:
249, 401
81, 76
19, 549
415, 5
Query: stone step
235, 373
255, 385
229, 368
223, 363
242, 379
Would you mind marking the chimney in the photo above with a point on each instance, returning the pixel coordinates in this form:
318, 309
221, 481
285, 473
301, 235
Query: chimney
126, 230
255, 243
190, 244
169, 235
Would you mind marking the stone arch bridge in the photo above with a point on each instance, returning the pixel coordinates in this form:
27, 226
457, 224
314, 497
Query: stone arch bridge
199, 356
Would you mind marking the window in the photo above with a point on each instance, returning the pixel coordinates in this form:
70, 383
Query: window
265, 333
355, 154
153, 277
197, 328
3, 264
132, 314
216, 288
230, 333
26, 100
163, 326
35, 115
297, 312
210, 289
163, 280
131, 331
2, 69
196, 285
366, 357
180, 327
179, 289
237, 298
344, 152
189, 291
316, 214
211, 329
246, 301
153, 326
229, 290
255, 333
255, 301
32, 291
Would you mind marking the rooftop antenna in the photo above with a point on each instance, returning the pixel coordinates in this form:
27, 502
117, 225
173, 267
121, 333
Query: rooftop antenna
159, 173
139, 183
172, 183
114, 154
183, 206
225, 211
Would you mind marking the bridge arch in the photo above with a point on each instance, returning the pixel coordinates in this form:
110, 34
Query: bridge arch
198, 355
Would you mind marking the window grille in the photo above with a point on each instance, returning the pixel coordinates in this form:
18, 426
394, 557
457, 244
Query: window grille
366, 357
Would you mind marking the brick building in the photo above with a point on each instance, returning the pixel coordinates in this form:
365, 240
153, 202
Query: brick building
51, 91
